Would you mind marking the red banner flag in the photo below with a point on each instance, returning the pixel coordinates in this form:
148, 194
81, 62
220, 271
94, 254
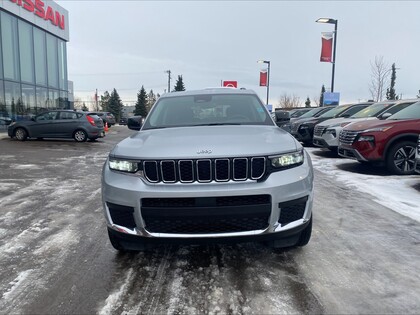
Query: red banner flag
263, 78
326, 51
230, 84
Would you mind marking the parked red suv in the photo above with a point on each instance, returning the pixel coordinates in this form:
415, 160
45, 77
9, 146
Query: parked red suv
392, 141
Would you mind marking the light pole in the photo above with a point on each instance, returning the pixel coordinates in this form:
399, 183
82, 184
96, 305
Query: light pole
335, 22
268, 76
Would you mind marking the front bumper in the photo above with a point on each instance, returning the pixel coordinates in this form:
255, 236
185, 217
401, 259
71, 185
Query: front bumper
303, 135
327, 140
127, 191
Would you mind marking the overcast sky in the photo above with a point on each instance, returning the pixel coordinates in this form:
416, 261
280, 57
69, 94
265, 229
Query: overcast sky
127, 44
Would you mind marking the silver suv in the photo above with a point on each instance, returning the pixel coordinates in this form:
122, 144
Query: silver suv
208, 165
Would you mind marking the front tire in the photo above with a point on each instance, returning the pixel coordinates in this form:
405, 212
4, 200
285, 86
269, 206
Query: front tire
400, 159
80, 135
21, 134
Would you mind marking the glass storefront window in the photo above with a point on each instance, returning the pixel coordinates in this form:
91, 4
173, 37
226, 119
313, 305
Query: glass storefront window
26, 52
40, 57
64, 100
9, 38
1, 54
53, 99
3, 109
13, 98
62, 65
28, 95
52, 64
41, 99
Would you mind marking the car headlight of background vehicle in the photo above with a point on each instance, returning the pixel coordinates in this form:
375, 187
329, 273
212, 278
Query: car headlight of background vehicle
366, 138
378, 129
287, 159
123, 165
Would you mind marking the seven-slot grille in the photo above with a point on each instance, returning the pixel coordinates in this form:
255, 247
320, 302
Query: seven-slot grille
204, 170
319, 130
347, 136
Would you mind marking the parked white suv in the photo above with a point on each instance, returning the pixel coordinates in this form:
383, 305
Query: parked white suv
208, 165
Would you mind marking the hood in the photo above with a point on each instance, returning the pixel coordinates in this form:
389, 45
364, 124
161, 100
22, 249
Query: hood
206, 142
369, 124
342, 120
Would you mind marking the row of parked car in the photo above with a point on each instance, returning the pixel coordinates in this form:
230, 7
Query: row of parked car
384, 133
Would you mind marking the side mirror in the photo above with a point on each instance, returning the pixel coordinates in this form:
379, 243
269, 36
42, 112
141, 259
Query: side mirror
385, 116
135, 122
345, 116
33, 119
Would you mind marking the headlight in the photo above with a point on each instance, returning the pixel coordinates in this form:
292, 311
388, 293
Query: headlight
123, 165
385, 128
366, 138
287, 160
12, 123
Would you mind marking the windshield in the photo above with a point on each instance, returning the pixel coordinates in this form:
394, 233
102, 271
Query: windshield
206, 109
335, 111
298, 112
311, 113
372, 110
410, 112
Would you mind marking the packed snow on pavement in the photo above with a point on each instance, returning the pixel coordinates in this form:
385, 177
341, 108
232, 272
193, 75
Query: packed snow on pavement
399, 193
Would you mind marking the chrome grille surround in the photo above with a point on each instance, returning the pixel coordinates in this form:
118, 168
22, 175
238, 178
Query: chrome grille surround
319, 130
348, 136
204, 170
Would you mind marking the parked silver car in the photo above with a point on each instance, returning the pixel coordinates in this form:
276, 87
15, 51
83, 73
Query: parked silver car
59, 124
208, 165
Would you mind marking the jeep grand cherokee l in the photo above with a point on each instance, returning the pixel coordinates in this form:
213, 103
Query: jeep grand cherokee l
208, 165
391, 141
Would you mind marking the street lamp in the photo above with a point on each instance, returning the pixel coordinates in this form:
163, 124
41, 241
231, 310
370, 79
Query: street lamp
268, 76
335, 22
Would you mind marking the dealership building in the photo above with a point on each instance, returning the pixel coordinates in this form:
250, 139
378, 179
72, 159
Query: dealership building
33, 57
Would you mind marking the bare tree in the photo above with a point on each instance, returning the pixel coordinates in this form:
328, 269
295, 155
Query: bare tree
289, 101
379, 78
315, 99
78, 103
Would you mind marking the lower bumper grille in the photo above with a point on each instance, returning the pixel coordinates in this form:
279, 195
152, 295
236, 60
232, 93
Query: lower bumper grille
292, 210
206, 215
122, 215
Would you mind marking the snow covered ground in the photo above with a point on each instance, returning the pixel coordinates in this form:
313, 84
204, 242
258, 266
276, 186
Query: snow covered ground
399, 193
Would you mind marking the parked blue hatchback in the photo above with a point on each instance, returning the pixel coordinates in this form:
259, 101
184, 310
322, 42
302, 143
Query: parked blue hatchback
59, 124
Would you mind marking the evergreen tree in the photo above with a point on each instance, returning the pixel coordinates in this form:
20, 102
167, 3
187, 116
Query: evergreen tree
104, 101
151, 99
308, 102
115, 105
179, 85
321, 98
140, 108
390, 92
